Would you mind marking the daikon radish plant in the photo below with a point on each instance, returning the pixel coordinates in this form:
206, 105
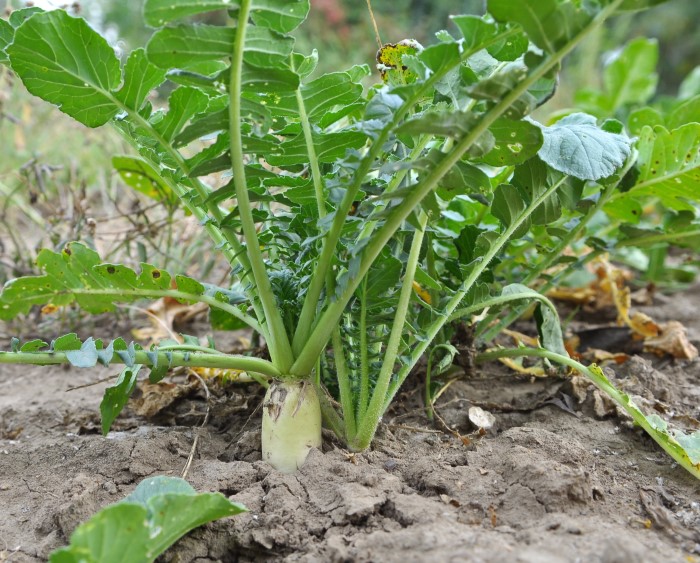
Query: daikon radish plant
359, 222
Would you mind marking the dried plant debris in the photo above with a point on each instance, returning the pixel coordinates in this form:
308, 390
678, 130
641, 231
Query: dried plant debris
636, 331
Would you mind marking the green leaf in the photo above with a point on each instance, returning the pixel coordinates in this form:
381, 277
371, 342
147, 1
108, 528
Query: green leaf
475, 30
142, 526
17, 17
576, 146
140, 175
184, 46
383, 277
686, 112
269, 80
507, 206
221, 320
116, 396
461, 179
140, 77
33, 345
63, 61
335, 89
176, 508
183, 104
549, 329
7, 33
516, 142
546, 316
67, 274
160, 12
687, 236
158, 485
201, 125
329, 148
266, 48
76, 275
282, 16
691, 444
669, 166
532, 179
67, 342
115, 534
626, 209
548, 23
86, 356
189, 285
446, 124
643, 117
681, 446
440, 57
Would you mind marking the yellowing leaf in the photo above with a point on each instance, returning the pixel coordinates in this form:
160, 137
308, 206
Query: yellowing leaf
422, 293
390, 61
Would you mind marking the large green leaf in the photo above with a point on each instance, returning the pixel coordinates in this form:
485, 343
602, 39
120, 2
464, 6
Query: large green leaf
143, 525
516, 142
63, 61
267, 48
77, 275
329, 148
184, 45
335, 89
548, 23
576, 146
282, 16
669, 166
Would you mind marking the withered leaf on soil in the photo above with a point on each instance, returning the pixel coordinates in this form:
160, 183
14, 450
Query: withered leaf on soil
610, 289
672, 339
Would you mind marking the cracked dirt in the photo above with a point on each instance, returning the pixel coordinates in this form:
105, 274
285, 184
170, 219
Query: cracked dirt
548, 485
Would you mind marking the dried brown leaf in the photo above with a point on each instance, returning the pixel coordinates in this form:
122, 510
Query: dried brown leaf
673, 340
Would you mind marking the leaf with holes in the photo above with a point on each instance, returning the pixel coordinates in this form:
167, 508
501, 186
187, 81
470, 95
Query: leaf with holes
669, 167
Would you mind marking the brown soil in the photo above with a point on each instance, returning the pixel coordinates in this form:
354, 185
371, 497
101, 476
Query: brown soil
553, 483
